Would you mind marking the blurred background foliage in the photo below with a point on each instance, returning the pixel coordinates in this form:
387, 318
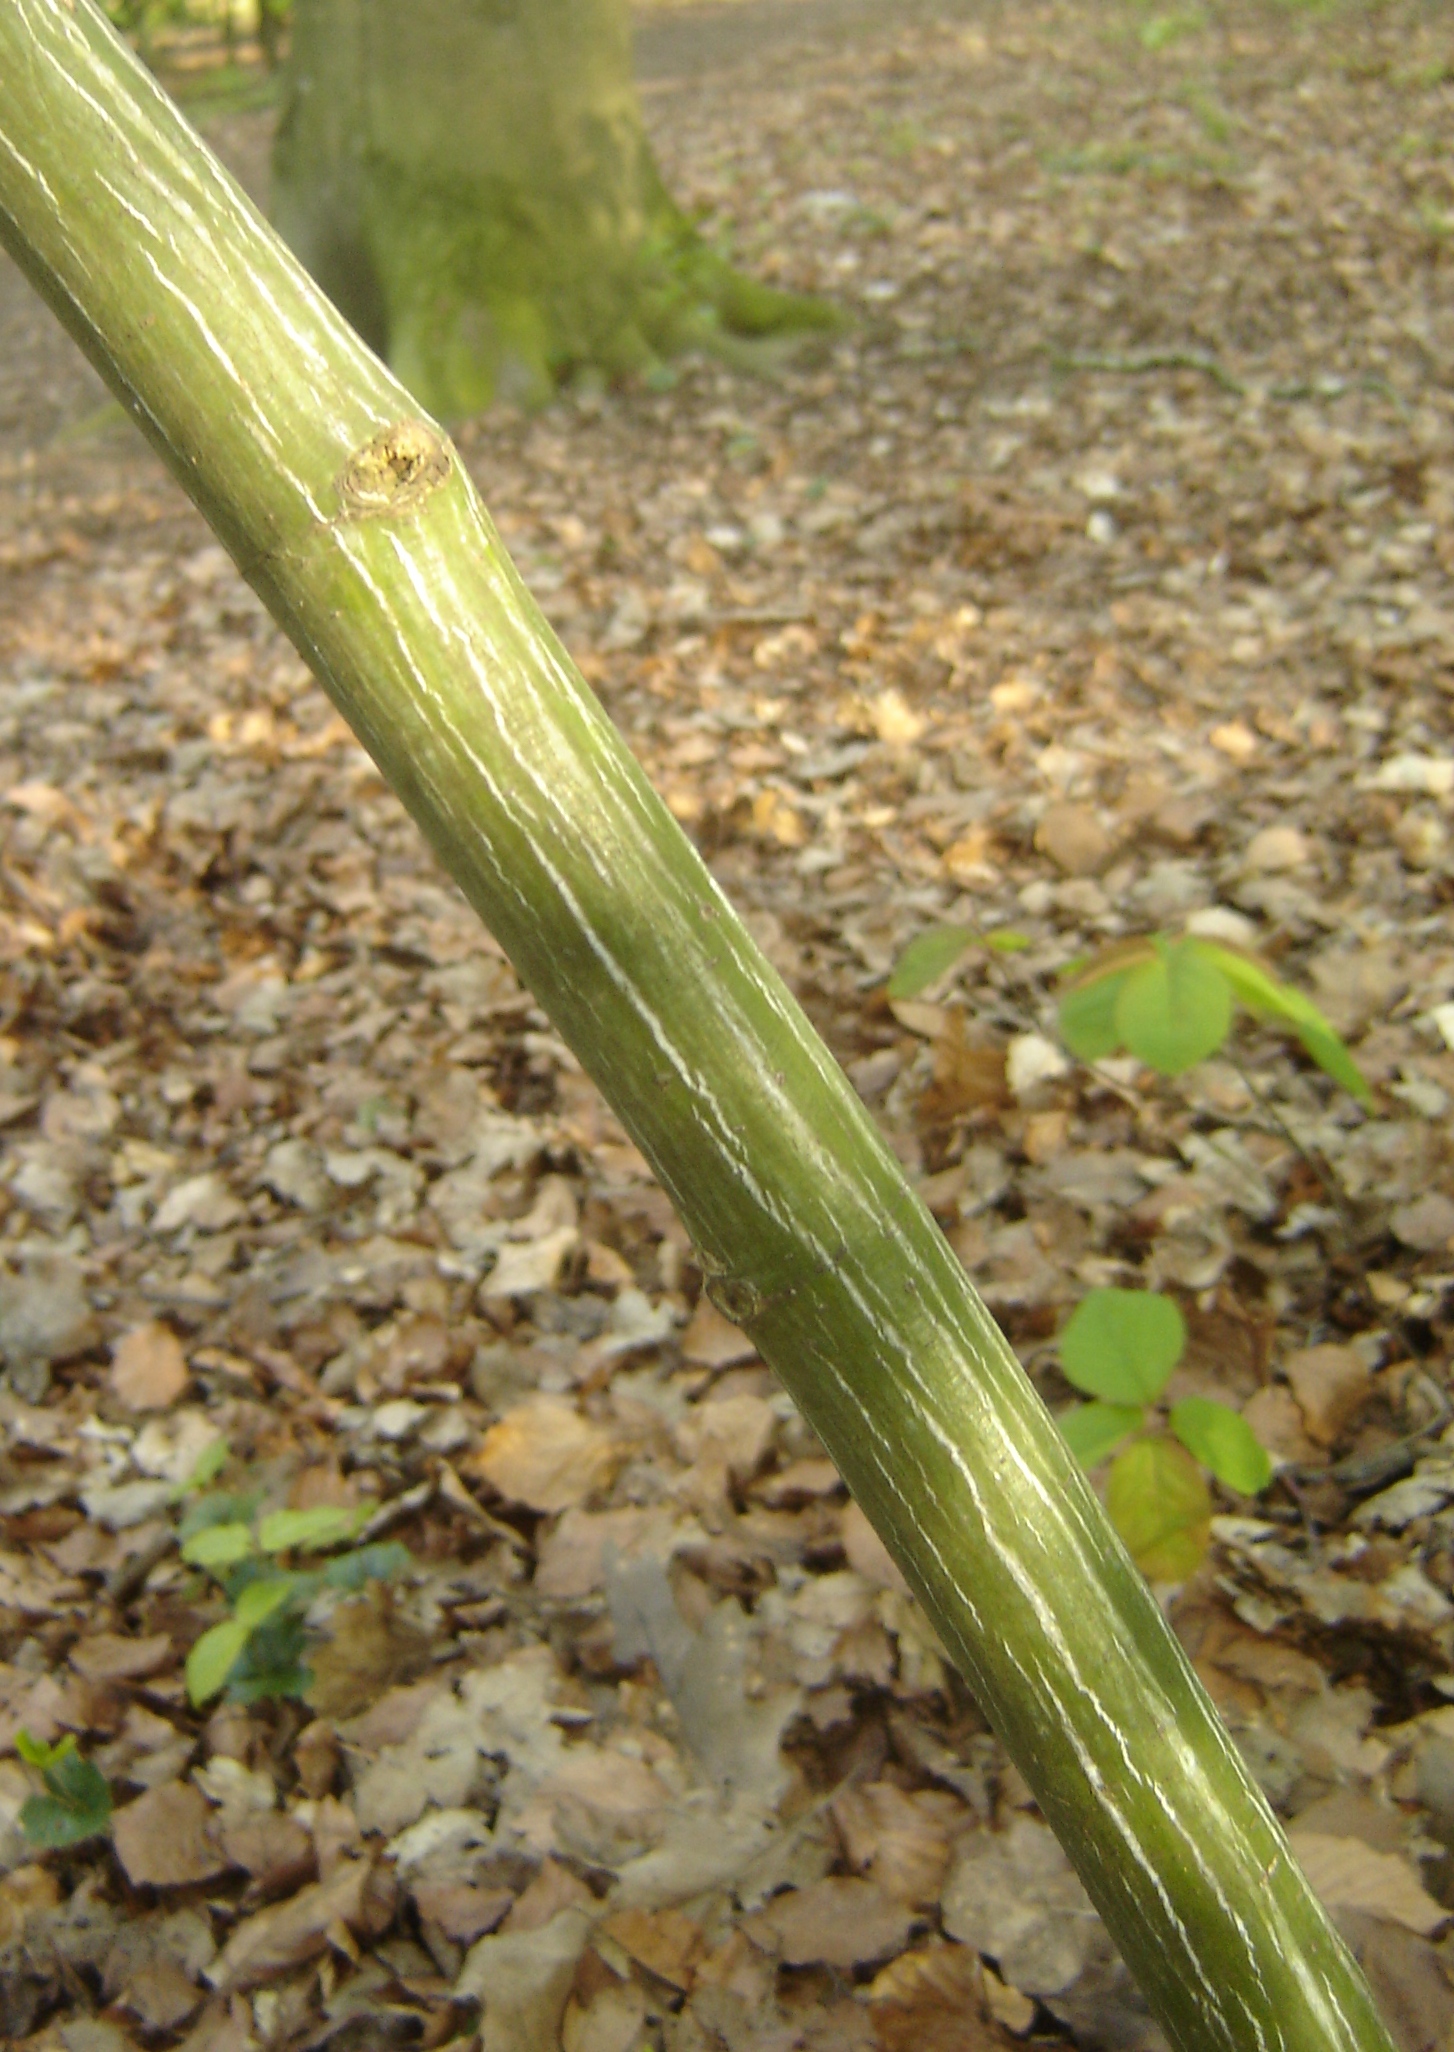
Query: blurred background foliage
244, 27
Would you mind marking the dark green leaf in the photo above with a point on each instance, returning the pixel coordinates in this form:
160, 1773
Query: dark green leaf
377, 1563
272, 1664
1159, 1504
1175, 1010
48, 1822
226, 1508
77, 1802
1120, 1345
927, 957
1223, 1442
1094, 1430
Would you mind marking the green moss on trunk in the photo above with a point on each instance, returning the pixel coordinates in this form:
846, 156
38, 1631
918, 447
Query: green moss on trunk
470, 182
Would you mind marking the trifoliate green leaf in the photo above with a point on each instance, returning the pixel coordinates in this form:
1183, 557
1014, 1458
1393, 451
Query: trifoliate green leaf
1175, 1010
1160, 1505
1120, 1345
1223, 1442
1088, 1016
1092, 1431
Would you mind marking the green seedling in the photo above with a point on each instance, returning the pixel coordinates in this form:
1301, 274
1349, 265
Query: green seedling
259, 1650
938, 949
77, 1802
1170, 1003
1120, 1347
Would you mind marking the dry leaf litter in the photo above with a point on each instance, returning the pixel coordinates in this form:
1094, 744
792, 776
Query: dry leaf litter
1095, 583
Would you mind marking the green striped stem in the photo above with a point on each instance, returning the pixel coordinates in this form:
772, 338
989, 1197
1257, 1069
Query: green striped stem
355, 522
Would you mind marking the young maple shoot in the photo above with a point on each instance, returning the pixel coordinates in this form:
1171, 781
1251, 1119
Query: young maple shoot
1120, 1347
260, 1648
1170, 1003
76, 1804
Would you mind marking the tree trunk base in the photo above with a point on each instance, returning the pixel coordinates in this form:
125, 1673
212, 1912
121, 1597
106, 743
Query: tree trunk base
473, 188
479, 304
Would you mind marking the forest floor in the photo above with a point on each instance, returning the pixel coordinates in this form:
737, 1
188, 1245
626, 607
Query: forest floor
1094, 584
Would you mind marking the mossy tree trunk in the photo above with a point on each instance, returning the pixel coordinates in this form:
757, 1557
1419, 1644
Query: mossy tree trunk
470, 182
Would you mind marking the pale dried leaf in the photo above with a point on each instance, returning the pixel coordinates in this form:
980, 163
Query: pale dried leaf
164, 1838
1348, 1874
545, 1455
839, 1921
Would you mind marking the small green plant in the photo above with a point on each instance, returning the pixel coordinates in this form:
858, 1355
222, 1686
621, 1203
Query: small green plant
77, 1802
1120, 1347
1169, 26
935, 952
1170, 1003
259, 1650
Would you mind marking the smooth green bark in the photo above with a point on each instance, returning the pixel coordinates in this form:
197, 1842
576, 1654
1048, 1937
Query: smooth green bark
355, 522
470, 182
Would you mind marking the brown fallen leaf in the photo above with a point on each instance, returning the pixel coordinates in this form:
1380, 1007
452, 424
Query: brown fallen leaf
1348, 1874
932, 2001
800, 1482
712, 1341
459, 1909
526, 1266
1074, 839
148, 1367
866, 1553
524, 1979
109, 1656
164, 1838
1407, 1976
667, 1942
609, 2019
966, 1077
316, 1756
276, 1850
25, 1890
1275, 1417
571, 1559
555, 1888
222, 2027
839, 1922
288, 1933
545, 1455
734, 1433
1329, 1383
369, 1648
337, 1838
900, 1841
